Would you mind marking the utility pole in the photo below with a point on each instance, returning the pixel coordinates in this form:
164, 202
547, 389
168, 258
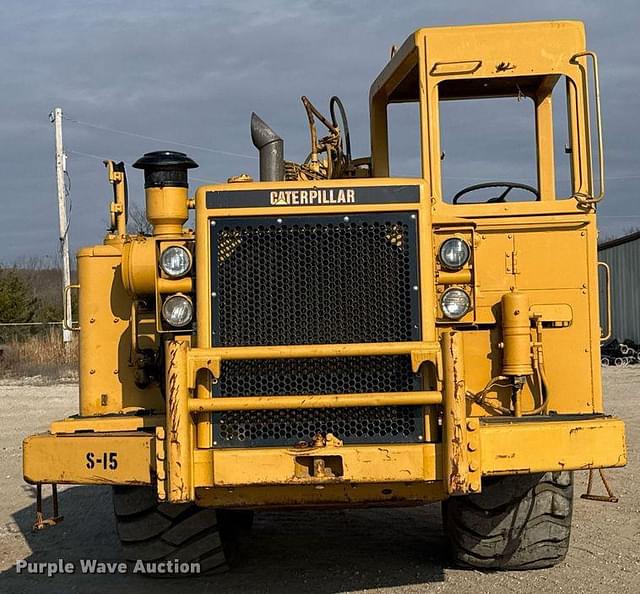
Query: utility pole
61, 159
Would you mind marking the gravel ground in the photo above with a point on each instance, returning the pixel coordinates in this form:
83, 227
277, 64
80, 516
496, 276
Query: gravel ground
379, 550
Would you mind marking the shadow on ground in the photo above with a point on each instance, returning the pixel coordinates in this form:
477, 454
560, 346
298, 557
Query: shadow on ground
316, 551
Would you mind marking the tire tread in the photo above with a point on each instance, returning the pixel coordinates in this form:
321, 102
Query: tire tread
515, 523
152, 531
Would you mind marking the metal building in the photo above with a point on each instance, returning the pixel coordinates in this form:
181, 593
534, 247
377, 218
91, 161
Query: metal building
623, 257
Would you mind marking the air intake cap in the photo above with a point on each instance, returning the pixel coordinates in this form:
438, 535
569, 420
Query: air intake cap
165, 169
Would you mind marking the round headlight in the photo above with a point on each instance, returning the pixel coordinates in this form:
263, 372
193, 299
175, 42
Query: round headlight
177, 310
455, 303
454, 253
175, 261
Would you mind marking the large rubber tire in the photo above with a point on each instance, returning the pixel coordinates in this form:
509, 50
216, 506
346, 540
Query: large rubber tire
152, 531
516, 522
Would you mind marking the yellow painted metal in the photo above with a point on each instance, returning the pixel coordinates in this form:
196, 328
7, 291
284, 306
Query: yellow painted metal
167, 209
587, 200
359, 464
516, 334
139, 265
556, 266
544, 139
512, 447
67, 314
106, 423
559, 314
306, 401
432, 57
204, 426
179, 285
118, 208
342, 494
89, 459
312, 351
161, 463
107, 381
179, 425
460, 277
454, 421
607, 273
140, 272
496, 447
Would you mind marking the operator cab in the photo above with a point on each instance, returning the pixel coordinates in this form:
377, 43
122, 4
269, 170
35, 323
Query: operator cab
486, 121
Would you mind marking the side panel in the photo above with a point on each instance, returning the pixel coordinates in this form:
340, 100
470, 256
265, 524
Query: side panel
107, 381
551, 258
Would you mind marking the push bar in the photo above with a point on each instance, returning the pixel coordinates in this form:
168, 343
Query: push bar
227, 403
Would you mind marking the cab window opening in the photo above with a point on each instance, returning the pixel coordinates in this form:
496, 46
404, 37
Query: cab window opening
484, 141
404, 139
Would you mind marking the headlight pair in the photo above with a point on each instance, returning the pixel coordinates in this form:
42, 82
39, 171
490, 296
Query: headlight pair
453, 255
177, 310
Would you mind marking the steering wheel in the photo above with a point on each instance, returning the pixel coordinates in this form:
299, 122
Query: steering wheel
501, 197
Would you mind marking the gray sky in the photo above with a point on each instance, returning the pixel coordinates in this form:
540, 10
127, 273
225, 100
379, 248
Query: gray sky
193, 71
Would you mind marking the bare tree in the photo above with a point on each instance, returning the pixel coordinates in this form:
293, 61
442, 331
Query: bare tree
138, 222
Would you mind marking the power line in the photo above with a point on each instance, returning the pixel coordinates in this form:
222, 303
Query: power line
163, 140
102, 159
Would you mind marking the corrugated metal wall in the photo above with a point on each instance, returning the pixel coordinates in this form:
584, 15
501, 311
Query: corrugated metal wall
624, 261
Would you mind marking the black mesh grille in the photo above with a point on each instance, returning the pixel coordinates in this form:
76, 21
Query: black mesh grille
315, 280
388, 424
331, 375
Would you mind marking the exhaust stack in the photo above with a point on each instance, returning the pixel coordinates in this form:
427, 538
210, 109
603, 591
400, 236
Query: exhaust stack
271, 148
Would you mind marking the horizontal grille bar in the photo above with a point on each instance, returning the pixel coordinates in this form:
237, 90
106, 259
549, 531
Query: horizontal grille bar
316, 351
307, 402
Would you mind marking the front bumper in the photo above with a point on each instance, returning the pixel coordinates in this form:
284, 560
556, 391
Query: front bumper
345, 474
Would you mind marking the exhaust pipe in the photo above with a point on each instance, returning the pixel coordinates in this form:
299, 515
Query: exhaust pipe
271, 148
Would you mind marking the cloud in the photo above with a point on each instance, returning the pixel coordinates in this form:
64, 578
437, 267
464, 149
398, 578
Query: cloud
193, 71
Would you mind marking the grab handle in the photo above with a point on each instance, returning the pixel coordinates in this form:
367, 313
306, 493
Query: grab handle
67, 318
607, 275
581, 197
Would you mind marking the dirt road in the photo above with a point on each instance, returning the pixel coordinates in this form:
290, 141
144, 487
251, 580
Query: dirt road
380, 550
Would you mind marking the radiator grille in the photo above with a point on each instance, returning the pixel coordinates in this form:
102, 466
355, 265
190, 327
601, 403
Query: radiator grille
315, 280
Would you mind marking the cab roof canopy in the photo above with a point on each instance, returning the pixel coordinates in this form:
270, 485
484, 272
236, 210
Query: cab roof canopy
479, 61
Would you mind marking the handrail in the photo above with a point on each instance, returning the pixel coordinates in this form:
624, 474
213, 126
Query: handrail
582, 198
67, 317
607, 272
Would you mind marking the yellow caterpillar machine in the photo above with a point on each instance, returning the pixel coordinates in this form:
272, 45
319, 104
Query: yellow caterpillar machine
333, 336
